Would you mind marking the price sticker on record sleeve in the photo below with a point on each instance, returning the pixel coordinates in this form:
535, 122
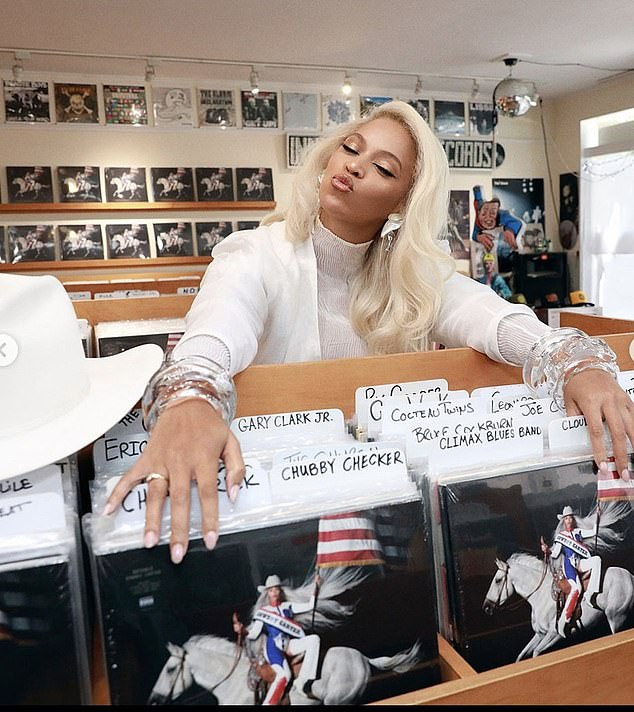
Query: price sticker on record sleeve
368, 400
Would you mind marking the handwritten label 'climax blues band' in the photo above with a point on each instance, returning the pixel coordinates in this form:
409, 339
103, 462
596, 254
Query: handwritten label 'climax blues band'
460, 442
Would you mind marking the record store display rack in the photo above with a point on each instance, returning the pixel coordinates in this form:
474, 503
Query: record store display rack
550, 678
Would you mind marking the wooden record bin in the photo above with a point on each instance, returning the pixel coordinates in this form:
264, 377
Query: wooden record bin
587, 673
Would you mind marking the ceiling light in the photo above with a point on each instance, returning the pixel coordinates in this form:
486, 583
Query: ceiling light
475, 90
18, 68
514, 97
346, 87
418, 89
254, 79
150, 72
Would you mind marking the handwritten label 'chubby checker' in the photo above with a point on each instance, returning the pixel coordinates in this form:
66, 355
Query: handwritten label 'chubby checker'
465, 441
352, 473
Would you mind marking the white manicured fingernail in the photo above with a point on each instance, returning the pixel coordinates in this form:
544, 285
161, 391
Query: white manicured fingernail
233, 492
211, 539
108, 509
150, 539
178, 552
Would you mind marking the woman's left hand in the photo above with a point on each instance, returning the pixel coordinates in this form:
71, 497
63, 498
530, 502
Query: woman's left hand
599, 398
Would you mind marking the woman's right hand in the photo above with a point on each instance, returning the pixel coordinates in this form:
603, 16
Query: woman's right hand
187, 442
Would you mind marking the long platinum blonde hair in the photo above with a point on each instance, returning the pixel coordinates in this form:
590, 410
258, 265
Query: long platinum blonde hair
395, 299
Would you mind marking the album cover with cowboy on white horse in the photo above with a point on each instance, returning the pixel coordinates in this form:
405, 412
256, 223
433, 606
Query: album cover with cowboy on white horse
30, 184
336, 609
537, 559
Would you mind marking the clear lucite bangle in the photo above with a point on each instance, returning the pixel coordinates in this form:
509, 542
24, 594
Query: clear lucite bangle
561, 354
188, 377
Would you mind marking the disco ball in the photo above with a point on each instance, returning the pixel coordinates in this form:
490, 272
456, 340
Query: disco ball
514, 97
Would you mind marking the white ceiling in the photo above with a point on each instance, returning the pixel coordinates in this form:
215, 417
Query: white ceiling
437, 39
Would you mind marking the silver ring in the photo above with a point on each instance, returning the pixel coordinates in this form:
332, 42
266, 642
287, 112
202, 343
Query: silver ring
155, 476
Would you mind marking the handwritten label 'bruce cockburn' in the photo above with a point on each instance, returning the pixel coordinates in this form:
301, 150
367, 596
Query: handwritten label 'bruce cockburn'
458, 442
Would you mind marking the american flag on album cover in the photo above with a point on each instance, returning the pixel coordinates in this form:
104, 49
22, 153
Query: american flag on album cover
611, 486
348, 539
172, 340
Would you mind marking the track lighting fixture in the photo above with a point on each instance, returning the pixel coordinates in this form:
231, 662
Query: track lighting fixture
18, 66
346, 87
418, 89
254, 79
149, 71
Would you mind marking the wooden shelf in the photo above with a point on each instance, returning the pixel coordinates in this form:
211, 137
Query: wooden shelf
20, 208
90, 265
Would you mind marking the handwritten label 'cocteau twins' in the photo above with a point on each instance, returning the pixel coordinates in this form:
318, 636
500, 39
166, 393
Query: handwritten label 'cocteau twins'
368, 400
332, 476
399, 415
457, 441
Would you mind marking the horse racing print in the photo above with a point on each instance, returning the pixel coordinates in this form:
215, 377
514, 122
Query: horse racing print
535, 561
231, 626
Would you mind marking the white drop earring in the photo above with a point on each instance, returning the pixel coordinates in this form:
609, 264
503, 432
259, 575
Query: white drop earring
390, 228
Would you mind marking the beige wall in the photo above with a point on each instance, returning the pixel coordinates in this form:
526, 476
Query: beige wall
521, 138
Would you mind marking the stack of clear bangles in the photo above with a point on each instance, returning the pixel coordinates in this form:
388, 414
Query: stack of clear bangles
561, 354
188, 377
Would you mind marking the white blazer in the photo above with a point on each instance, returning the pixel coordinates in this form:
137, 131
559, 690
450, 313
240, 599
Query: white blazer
259, 297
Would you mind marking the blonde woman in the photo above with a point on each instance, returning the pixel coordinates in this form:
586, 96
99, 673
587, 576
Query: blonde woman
356, 266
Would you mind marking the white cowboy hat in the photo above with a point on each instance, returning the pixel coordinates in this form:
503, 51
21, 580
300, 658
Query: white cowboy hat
53, 400
270, 582
566, 512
